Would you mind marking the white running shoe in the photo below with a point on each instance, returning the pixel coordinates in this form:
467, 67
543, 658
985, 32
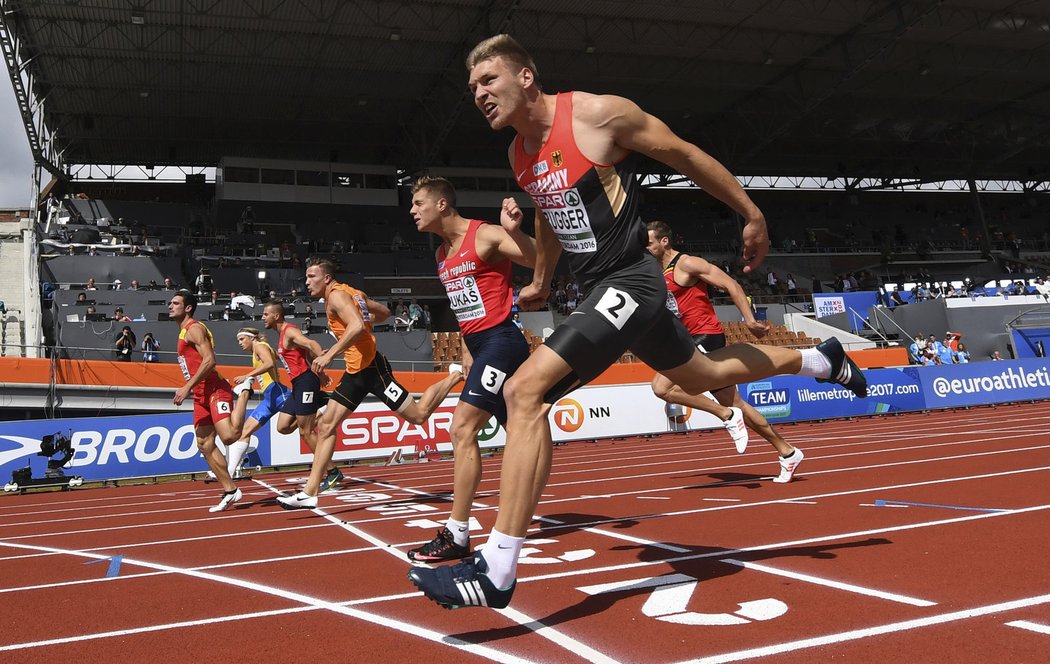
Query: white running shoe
454, 368
228, 499
246, 386
299, 501
737, 429
788, 466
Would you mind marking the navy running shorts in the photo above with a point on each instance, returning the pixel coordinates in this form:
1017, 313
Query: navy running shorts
497, 352
306, 395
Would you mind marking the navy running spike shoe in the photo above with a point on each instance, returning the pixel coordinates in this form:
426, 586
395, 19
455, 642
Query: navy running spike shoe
464, 584
843, 370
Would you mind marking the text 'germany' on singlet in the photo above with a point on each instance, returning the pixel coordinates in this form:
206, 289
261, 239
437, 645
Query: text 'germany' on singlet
480, 293
293, 359
592, 208
358, 355
692, 304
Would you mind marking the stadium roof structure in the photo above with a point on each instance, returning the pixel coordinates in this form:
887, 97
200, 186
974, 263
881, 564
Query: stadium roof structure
832, 88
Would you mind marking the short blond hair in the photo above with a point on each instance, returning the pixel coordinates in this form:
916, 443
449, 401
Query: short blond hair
503, 46
440, 186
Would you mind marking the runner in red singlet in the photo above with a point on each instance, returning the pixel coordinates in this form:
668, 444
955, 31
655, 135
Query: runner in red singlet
212, 395
688, 279
474, 266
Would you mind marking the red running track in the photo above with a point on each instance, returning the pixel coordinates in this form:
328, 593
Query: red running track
918, 538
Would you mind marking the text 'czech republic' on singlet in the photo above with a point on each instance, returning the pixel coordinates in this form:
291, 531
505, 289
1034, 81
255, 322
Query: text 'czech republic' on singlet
293, 359
691, 304
480, 293
190, 359
270, 377
360, 354
592, 208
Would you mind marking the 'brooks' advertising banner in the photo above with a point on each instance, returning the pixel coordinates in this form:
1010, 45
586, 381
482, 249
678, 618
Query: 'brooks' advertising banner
106, 447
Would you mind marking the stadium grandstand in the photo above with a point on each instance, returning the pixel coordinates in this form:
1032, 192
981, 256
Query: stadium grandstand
900, 152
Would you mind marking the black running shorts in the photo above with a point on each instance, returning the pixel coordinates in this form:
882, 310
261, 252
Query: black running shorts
378, 379
625, 310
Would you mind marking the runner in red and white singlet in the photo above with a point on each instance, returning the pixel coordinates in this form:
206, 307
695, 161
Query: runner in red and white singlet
474, 265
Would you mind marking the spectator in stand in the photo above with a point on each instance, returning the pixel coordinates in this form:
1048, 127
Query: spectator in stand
996, 356
426, 316
134, 285
945, 354
895, 298
203, 282
295, 296
118, 316
1042, 288
415, 315
308, 312
962, 356
248, 221
215, 297
81, 296
517, 323
915, 350
817, 286
401, 317
152, 286
117, 284
90, 284
150, 346
169, 284
90, 311
125, 343
792, 286
772, 282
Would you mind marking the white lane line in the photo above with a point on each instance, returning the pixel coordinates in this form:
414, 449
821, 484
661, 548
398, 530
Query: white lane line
244, 563
547, 520
179, 540
537, 627
299, 598
787, 544
868, 632
799, 502
1031, 626
719, 500
654, 498
849, 587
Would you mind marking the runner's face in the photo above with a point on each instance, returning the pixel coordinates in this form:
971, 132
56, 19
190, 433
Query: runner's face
176, 308
497, 90
425, 210
656, 246
315, 281
269, 317
244, 341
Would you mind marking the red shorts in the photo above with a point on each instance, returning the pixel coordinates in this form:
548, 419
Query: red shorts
214, 403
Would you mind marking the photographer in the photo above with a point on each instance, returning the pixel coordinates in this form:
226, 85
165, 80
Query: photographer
125, 344
150, 346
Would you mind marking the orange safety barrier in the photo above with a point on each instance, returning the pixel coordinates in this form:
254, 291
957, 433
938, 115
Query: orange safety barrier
141, 374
